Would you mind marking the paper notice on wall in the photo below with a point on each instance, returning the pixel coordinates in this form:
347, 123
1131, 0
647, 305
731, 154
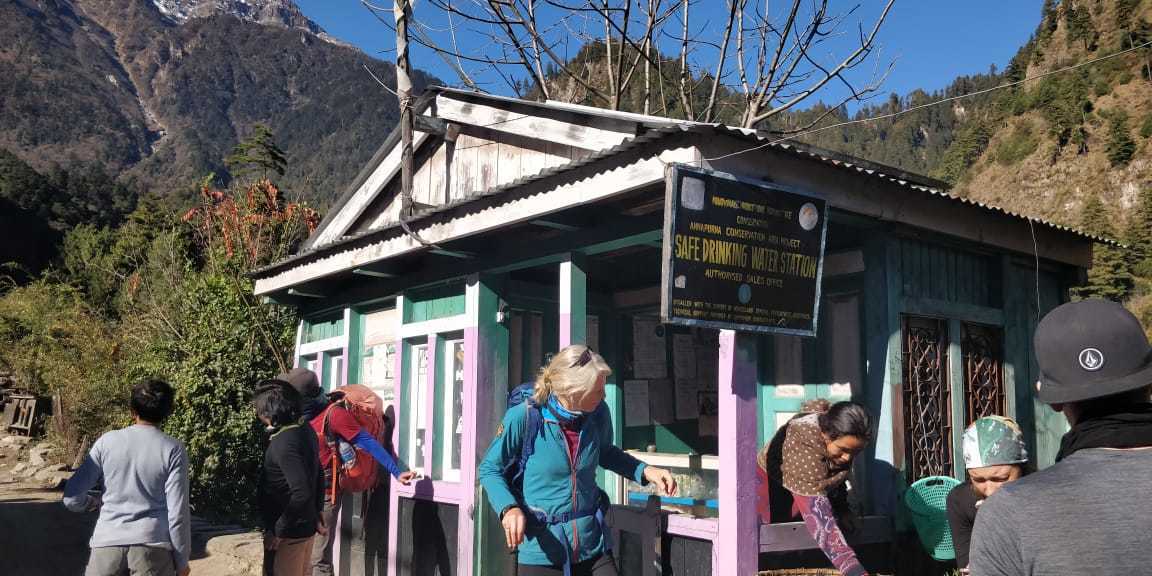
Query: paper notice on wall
709, 421
687, 403
636, 412
649, 354
683, 356
661, 401
376, 370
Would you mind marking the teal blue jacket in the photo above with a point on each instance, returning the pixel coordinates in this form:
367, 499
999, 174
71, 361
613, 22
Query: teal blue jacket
552, 486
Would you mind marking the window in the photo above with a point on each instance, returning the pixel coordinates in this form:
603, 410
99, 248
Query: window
452, 431
417, 390
983, 377
927, 398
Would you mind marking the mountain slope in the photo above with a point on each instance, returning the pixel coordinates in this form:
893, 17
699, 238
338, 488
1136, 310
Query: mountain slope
161, 96
1043, 148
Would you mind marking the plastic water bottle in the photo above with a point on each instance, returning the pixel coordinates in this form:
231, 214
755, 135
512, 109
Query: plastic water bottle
347, 456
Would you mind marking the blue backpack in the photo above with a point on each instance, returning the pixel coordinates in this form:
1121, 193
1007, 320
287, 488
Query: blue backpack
514, 473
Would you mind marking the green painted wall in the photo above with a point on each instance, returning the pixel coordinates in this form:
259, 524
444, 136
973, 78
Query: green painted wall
322, 329
936, 272
433, 304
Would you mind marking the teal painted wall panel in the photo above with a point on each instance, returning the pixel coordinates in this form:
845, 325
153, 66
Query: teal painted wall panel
316, 330
434, 304
947, 274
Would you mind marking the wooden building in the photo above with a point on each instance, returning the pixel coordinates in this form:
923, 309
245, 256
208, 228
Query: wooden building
541, 224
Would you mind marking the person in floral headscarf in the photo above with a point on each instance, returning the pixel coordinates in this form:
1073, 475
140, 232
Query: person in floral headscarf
994, 454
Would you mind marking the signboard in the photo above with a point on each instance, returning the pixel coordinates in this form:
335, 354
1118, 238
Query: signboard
741, 254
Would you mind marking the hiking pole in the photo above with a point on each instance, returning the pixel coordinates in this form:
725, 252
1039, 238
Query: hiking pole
514, 554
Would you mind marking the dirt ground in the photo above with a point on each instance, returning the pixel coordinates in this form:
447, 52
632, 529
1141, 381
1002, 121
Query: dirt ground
39, 537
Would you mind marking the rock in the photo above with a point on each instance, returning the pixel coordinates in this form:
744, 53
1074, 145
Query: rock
52, 470
56, 482
15, 441
38, 456
19, 467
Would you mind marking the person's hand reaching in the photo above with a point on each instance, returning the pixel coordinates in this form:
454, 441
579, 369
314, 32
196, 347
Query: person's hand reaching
662, 479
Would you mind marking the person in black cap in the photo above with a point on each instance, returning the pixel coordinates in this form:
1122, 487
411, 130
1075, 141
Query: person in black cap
305, 382
1089, 513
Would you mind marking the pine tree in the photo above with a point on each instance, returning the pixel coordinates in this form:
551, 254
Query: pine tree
258, 153
1120, 147
1138, 236
1110, 276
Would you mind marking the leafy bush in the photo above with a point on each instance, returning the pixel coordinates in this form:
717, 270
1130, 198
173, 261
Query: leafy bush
56, 346
1146, 126
1019, 144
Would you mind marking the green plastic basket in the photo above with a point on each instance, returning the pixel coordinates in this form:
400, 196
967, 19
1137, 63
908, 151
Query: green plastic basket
927, 500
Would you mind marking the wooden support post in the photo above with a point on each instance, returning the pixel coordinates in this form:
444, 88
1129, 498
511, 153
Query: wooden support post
353, 348
573, 301
401, 403
883, 290
738, 537
480, 543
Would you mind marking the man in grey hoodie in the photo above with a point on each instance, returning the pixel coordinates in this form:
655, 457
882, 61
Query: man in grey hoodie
145, 524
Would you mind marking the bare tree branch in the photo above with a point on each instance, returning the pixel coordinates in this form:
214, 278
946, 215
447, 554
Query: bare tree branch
685, 96
709, 110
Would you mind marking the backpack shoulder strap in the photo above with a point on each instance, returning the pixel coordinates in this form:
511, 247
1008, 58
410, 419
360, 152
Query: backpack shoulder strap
533, 419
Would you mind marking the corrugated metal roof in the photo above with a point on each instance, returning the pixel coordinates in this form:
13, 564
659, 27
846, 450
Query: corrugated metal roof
921, 183
658, 128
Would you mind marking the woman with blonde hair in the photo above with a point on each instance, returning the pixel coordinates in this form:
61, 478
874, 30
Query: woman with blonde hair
552, 507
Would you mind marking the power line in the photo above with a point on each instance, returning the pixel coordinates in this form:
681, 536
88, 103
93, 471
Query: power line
930, 104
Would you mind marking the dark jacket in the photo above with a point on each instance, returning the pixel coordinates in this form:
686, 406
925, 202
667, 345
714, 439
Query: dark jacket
291, 483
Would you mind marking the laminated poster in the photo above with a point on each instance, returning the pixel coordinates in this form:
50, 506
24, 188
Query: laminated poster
649, 354
661, 401
683, 356
636, 411
687, 403
709, 414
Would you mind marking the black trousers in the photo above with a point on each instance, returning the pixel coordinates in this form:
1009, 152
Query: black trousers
602, 565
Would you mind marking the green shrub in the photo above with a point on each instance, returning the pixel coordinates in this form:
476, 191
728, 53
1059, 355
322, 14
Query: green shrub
1146, 126
1019, 144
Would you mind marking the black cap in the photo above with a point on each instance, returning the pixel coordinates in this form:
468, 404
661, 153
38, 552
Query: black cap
303, 380
1091, 349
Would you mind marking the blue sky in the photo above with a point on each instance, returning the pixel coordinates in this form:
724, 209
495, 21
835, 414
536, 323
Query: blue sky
932, 41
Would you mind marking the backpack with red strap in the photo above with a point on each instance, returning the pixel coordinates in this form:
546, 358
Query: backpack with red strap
356, 474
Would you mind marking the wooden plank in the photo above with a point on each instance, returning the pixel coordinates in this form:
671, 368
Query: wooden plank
464, 167
558, 154
487, 156
945, 309
508, 163
793, 536
532, 162
537, 127
421, 192
951, 259
438, 176
956, 384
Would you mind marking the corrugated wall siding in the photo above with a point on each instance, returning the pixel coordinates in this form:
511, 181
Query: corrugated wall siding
947, 274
